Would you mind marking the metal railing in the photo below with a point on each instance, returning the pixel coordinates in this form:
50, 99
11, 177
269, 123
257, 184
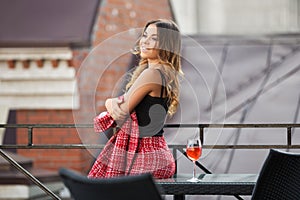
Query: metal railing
202, 127
31, 145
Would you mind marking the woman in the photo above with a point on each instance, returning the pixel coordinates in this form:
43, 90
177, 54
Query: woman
152, 93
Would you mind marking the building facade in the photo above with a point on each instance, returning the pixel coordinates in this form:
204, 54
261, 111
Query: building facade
58, 79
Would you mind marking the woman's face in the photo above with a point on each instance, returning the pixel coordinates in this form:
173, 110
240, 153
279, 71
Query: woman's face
149, 43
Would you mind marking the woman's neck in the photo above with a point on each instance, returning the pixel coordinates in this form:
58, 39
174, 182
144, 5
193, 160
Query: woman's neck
153, 64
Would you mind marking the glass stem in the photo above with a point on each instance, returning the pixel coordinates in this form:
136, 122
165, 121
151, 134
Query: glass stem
194, 170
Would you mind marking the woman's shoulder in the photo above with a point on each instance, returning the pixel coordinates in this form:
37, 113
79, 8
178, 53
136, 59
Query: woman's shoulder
151, 71
150, 74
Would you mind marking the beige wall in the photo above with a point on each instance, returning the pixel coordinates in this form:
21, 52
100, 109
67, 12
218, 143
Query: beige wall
3, 120
237, 16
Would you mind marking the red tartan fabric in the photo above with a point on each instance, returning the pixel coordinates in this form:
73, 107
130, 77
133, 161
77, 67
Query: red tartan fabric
103, 122
127, 154
154, 156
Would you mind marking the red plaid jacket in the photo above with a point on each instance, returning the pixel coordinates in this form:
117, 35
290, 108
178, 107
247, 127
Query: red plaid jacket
125, 153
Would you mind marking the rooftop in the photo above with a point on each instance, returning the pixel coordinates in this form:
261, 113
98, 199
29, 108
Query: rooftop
28, 23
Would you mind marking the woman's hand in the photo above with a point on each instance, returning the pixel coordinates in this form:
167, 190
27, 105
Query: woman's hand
113, 107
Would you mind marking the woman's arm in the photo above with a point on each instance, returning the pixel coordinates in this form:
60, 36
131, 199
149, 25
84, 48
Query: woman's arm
113, 107
148, 82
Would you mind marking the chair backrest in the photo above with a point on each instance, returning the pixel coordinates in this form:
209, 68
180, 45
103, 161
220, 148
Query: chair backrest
279, 177
128, 187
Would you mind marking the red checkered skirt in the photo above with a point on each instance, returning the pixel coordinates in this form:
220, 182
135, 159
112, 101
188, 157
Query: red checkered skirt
154, 156
127, 154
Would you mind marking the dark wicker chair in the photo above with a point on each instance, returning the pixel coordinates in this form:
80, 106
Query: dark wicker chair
279, 178
127, 187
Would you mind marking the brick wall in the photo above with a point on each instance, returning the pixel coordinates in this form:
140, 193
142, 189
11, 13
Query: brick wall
98, 71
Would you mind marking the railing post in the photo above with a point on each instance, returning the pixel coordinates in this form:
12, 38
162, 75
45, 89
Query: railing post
30, 128
289, 136
175, 157
201, 131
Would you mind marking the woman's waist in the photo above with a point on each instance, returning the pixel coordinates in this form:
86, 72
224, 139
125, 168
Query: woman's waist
144, 134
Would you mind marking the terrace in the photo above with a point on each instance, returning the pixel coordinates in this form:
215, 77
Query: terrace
179, 188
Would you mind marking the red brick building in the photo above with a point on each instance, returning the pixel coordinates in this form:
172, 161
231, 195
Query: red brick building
64, 65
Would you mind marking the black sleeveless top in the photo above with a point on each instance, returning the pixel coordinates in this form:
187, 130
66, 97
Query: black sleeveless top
151, 113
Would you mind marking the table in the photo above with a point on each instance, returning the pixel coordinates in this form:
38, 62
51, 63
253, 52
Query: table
210, 184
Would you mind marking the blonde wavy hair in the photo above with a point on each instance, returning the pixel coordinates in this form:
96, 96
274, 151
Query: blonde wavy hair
169, 45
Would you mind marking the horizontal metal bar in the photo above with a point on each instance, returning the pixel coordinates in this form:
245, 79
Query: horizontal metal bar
228, 146
292, 125
52, 146
46, 125
100, 146
251, 146
231, 125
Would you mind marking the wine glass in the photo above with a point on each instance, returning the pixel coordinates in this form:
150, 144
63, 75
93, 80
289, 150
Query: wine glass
193, 151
